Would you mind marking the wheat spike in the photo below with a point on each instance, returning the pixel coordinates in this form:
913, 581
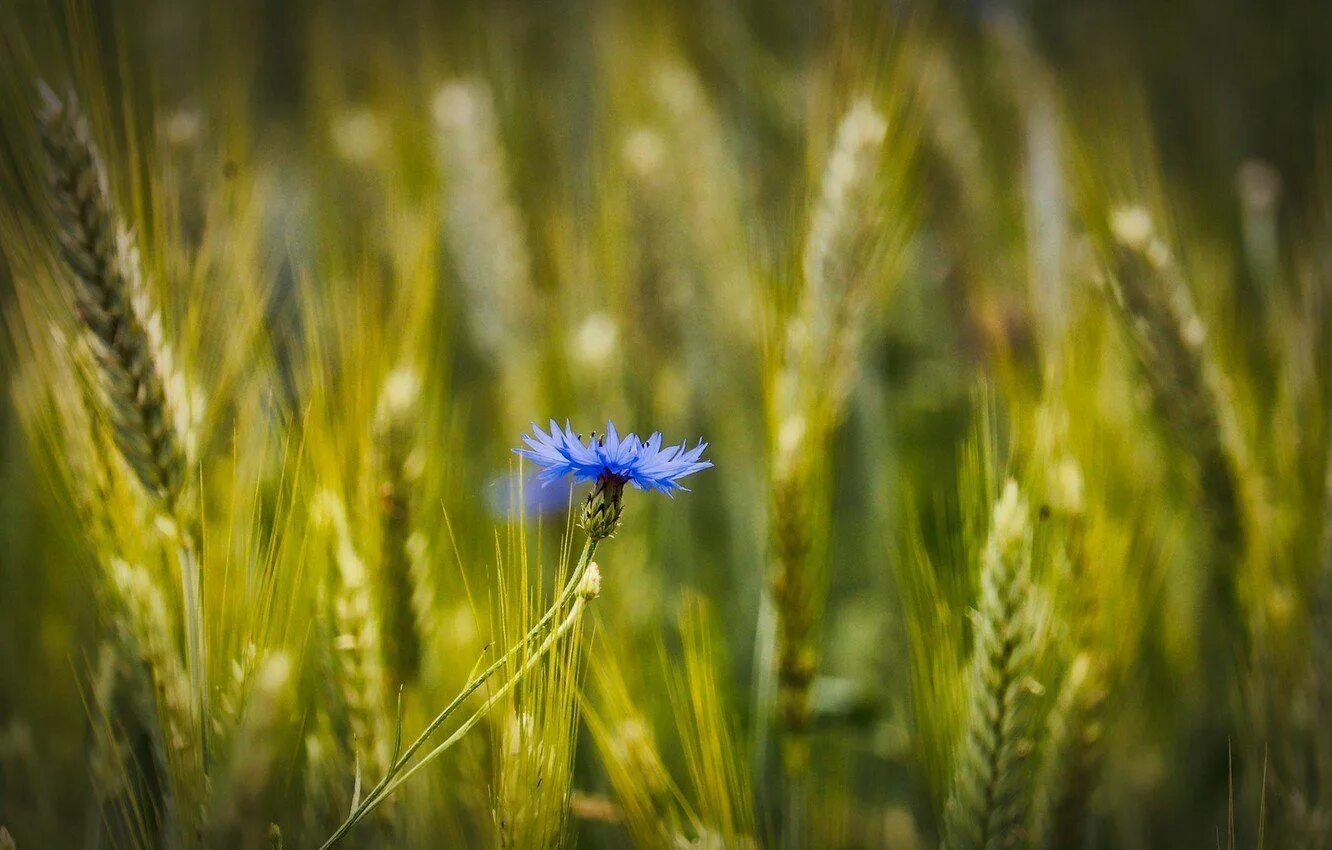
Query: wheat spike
1168, 339
360, 673
147, 629
123, 329
399, 463
818, 371
992, 784
483, 227
840, 249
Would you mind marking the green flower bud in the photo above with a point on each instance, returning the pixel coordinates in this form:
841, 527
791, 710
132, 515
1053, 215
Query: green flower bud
604, 505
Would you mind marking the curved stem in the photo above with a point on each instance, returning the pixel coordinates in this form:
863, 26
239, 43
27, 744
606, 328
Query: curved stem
387, 783
574, 613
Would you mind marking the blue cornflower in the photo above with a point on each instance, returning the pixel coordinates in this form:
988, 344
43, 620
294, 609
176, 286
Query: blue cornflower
611, 461
646, 465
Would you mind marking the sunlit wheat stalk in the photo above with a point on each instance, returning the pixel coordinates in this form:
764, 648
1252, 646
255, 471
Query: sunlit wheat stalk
991, 797
399, 464
148, 635
536, 732
357, 648
818, 369
124, 333
1168, 336
717, 774
642, 785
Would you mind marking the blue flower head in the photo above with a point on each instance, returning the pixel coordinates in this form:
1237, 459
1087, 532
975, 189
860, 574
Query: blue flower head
644, 464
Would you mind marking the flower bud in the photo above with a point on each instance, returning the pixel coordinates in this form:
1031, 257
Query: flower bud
590, 586
604, 505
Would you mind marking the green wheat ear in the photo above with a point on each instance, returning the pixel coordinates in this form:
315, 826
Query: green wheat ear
123, 329
991, 798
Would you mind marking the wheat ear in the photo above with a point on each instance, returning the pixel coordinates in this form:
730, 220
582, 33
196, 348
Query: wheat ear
124, 332
399, 464
818, 371
992, 788
1168, 337
360, 672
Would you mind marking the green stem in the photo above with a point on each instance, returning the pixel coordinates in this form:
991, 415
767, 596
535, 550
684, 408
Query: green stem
191, 577
574, 613
400, 763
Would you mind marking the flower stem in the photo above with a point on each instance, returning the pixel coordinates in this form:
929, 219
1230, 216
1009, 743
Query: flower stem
391, 778
568, 623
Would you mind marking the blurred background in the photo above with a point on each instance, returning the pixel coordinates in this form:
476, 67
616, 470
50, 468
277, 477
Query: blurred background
884, 258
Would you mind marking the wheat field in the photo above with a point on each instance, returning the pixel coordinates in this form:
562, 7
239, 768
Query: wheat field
615, 423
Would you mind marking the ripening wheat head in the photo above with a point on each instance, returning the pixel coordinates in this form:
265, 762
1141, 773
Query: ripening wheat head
108, 291
990, 802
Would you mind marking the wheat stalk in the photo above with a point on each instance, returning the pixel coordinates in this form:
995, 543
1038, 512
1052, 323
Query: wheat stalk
399, 463
816, 375
357, 648
124, 330
147, 630
124, 333
992, 790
